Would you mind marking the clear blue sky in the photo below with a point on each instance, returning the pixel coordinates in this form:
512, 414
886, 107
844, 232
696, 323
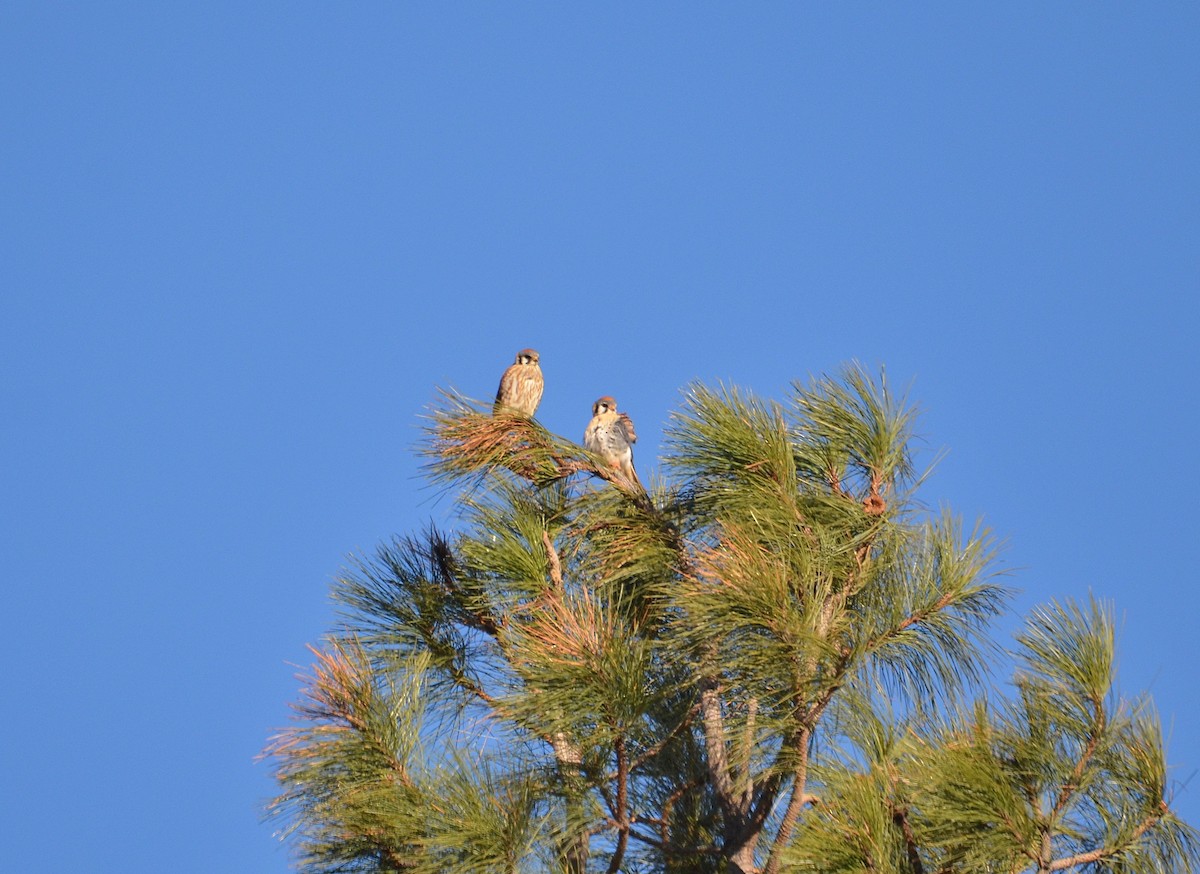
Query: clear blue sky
243, 243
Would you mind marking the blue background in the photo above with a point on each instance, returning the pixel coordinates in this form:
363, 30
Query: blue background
243, 243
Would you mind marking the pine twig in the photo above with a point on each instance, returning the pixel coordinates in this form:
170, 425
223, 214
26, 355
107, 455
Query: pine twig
622, 811
1104, 852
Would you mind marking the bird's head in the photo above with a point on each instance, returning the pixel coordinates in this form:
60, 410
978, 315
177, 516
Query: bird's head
527, 356
604, 405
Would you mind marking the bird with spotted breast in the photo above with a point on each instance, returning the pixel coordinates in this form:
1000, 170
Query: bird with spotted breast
521, 386
610, 435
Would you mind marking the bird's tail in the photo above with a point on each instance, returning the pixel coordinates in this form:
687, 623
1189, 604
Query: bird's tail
628, 471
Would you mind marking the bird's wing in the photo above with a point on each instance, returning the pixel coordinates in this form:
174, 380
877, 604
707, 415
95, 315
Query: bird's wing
626, 424
505, 389
591, 436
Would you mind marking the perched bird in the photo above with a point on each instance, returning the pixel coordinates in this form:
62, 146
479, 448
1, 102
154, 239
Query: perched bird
521, 385
610, 434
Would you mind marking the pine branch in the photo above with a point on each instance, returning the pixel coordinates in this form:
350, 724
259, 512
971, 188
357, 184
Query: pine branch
795, 802
556, 576
1072, 784
465, 442
714, 740
1106, 852
658, 747
622, 810
900, 818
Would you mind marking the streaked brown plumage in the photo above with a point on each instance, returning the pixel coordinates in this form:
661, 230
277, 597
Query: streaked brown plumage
521, 386
610, 434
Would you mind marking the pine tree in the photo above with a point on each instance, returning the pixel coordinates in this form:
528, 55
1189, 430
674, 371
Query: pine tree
776, 661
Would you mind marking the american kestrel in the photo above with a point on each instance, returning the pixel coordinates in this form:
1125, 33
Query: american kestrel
521, 385
610, 434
